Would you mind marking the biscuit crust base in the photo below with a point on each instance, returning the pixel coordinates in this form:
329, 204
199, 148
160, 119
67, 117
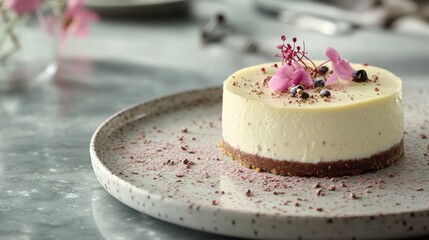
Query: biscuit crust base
321, 169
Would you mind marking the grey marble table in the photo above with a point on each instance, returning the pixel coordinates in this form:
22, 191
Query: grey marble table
47, 187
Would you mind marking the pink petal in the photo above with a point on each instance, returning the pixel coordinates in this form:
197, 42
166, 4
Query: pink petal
22, 6
340, 66
302, 76
297, 66
85, 15
306, 79
332, 55
281, 79
73, 6
331, 79
278, 84
75, 9
80, 18
343, 69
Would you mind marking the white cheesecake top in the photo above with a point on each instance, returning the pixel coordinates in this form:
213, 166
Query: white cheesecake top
251, 83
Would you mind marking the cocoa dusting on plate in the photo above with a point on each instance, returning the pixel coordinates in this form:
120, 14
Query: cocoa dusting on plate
153, 160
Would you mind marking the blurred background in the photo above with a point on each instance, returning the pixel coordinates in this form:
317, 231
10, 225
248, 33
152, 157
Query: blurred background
198, 35
139, 50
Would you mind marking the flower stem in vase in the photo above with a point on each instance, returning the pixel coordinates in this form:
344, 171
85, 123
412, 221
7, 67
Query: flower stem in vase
6, 32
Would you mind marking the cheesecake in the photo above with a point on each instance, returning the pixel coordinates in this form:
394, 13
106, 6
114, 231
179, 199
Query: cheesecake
337, 118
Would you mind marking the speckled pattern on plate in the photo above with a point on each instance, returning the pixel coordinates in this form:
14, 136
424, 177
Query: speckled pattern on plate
161, 158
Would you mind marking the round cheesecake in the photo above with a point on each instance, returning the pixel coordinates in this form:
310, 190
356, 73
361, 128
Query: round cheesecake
357, 129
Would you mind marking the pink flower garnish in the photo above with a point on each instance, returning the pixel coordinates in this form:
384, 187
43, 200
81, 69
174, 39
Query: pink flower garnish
286, 76
341, 67
22, 6
301, 76
292, 52
297, 68
293, 70
74, 21
281, 79
331, 79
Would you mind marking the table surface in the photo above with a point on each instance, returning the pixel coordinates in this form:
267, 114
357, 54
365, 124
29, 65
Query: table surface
47, 186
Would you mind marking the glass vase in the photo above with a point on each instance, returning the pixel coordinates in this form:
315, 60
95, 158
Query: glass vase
27, 50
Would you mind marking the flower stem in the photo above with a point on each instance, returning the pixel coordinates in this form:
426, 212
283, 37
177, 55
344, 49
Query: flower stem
316, 69
55, 6
6, 32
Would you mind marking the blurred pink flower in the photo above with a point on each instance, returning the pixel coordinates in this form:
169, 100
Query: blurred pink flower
75, 20
341, 67
22, 6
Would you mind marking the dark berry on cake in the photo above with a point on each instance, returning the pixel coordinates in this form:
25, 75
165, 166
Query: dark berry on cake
304, 95
323, 69
325, 93
360, 76
319, 83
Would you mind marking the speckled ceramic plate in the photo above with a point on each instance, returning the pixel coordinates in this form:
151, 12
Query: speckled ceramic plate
161, 158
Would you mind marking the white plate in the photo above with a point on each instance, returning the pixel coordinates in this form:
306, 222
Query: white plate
139, 155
